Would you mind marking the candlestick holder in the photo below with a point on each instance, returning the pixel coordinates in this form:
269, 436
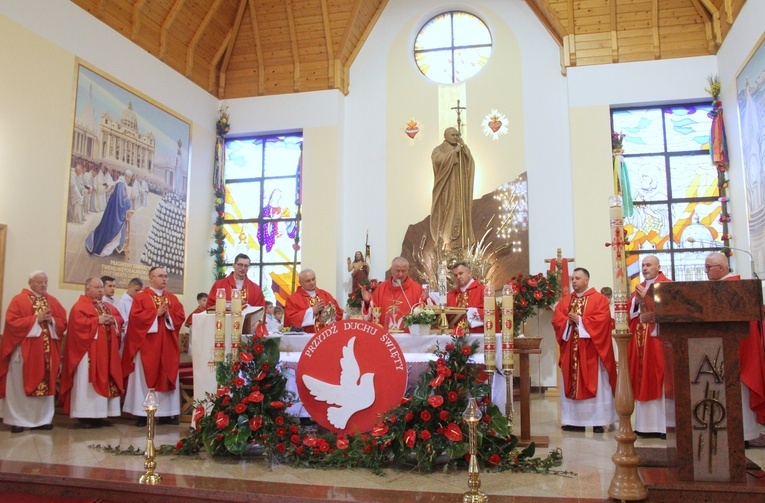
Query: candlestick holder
150, 405
471, 416
443, 323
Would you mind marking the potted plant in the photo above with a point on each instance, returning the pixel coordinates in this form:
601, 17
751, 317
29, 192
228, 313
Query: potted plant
420, 320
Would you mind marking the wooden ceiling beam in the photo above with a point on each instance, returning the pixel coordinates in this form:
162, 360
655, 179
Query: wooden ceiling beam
197, 35
100, 11
729, 11
655, 29
363, 37
705, 17
715, 13
232, 36
293, 44
330, 48
614, 38
136, 18
552, 24
214, 66
348, 30
258, 50
166, 24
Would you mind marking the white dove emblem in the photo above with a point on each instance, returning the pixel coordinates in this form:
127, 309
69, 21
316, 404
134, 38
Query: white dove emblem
351, 395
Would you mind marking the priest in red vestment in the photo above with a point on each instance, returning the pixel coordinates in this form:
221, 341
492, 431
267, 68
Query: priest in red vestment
30, 347
468, 294
396, 296
91, 374
750, 356
152, 355
582, 324
646, 356
306, 307
251, 292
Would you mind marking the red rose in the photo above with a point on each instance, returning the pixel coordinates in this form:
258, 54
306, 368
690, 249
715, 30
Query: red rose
240, 407
223, 390
293, 429
452, 396
425, 415
238, 382
279, 420
258, 349
277, 405
323, 446
494, 459
409, 416
299, 450
226, 400
280, 432
379, 430
280, 447
255, 423
245, 357
221, 420
443, 415
466, 350
410, 436
425, 435
436, 401
453, 432
295, 439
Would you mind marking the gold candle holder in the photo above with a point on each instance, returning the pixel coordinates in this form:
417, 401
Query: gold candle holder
471, 416
150, 405
443, 323
376, 313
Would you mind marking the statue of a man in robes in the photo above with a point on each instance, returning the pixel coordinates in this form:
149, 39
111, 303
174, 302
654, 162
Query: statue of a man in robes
453, 172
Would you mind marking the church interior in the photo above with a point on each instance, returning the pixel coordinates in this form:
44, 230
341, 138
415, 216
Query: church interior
342, 74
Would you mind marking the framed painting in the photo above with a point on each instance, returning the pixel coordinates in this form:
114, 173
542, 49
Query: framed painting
128, 185
750, 86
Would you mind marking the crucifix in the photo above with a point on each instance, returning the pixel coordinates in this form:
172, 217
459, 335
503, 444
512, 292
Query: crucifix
459, 110
558, 261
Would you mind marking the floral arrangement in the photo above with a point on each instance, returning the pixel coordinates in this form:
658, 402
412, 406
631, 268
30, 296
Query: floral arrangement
531, 293
222, 127
354, 298
249, 408
617, 141
420, 316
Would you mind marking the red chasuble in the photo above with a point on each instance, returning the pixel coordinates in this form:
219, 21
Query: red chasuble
645, 354
753, 364
579, 356
103, 352
396, 301
300, 301
471, 297
160, 353
251, 292
42, 354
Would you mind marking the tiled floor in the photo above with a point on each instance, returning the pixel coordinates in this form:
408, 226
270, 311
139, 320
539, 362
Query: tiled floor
586, 454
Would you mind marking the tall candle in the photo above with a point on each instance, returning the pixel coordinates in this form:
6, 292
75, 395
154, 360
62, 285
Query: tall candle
620, 297
489, 335
507, 327
219, 344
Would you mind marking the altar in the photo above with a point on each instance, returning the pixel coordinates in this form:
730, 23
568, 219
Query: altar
418, 351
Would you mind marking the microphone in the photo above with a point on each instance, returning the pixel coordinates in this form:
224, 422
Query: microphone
751, 257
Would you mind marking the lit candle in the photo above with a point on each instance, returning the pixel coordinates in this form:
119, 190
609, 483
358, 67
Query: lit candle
489, 335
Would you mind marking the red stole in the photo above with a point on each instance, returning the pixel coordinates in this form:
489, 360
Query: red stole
101, 343
579, 356
160, 353
41, 354
645, 354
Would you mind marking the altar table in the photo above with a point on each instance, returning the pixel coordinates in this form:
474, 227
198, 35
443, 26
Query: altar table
417, 349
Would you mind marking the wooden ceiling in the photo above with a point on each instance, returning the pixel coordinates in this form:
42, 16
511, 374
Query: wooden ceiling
242, 48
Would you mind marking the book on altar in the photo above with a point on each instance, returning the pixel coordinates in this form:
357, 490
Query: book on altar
251, 316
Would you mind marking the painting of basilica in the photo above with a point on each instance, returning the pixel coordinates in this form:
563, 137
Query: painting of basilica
128, 185
750, 84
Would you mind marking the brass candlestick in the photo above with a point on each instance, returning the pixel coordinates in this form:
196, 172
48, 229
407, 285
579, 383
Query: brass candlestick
443, 323
150, 405
471, 416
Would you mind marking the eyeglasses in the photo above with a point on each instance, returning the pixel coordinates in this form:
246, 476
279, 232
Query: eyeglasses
246, 266
707, 268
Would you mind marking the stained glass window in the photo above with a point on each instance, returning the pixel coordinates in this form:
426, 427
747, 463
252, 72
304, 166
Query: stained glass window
674, 188
263, 210
452, 47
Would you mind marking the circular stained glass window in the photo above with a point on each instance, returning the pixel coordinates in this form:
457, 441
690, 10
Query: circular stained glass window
452, 47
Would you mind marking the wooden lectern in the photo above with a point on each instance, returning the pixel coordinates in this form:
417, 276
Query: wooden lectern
701, 325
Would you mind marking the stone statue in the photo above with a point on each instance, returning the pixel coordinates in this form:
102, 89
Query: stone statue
453, 173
